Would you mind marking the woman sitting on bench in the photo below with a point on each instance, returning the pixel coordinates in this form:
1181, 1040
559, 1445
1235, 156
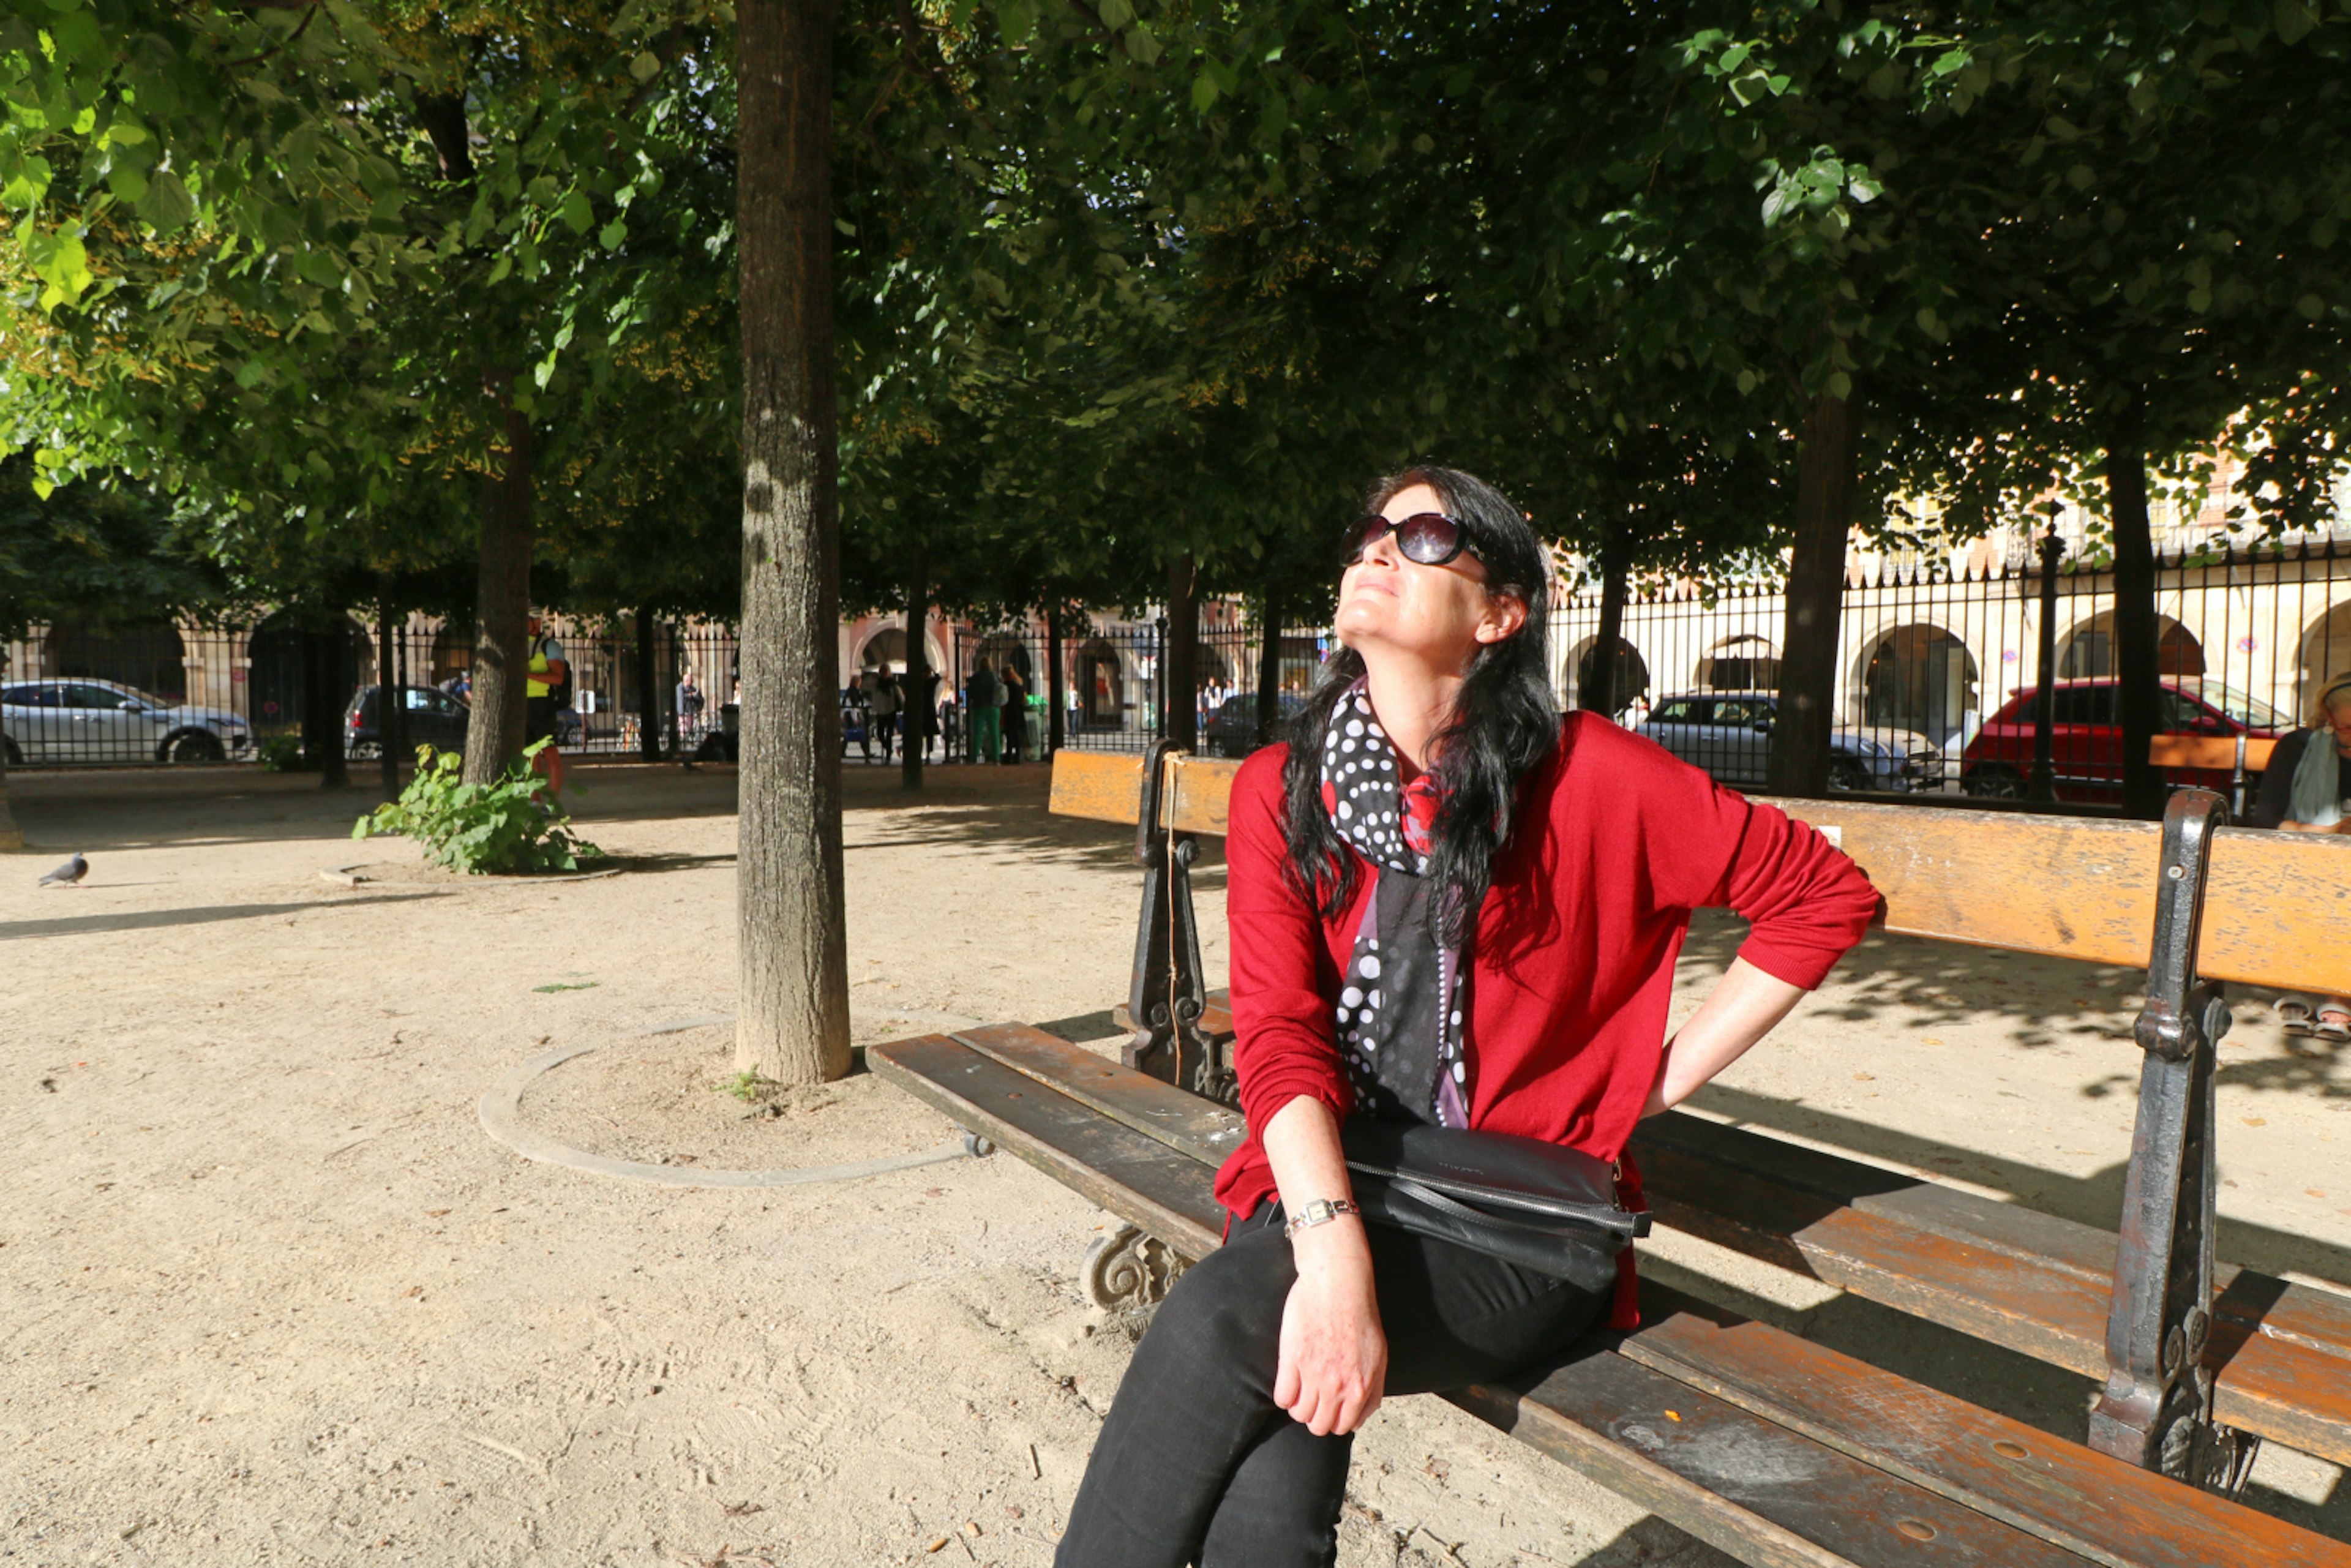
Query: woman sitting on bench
1451, 907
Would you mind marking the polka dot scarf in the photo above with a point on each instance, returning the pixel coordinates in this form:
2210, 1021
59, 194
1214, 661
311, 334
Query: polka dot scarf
1401, 1004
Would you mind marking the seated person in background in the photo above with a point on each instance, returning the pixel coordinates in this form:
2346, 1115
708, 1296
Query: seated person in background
2307, 789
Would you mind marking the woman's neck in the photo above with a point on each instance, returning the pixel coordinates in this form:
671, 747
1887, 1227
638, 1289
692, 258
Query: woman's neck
1413, 701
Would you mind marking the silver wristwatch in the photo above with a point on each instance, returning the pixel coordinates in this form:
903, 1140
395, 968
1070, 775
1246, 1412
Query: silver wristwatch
1322, 1211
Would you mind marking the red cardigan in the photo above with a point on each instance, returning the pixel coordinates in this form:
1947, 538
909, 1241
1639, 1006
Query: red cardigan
1571, 971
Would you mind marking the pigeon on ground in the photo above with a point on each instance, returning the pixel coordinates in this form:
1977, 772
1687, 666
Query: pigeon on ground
72, 872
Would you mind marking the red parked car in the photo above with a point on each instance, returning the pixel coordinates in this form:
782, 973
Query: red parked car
2088, 736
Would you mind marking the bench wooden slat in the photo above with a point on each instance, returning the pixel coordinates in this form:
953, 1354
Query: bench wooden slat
2209, 752
2106, 1510
1185, 1121
2074, 887
2032, 1282
1138, 1178
1764, 1492
1102, 784
1739, 1479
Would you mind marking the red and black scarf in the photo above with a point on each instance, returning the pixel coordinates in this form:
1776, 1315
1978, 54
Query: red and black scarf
1404, 996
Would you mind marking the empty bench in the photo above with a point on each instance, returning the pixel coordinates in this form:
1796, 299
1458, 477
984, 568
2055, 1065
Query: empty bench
1775, 1449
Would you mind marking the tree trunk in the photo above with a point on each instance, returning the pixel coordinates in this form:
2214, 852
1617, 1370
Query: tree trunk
1808, 644
1598, 693
2137, 640
1056, 687
1268, 668
793, 993
649, 691
914, 701
1181, 677
388, 705
494, 735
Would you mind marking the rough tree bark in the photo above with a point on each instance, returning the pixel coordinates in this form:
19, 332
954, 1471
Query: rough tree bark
792, 996
649, 687
2137, 642
914, 701
1269, 668
1808, 643
1181, 677
494, 735
1597, 694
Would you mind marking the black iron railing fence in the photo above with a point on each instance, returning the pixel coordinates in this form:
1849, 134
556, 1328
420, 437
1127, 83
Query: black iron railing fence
1941, 657
1936, 660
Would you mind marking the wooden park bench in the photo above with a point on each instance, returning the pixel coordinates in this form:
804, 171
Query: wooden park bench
1774, 1448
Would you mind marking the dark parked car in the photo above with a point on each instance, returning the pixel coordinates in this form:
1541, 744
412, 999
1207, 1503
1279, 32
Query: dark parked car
1232, 728
2086, 737
435, 718
1729, 734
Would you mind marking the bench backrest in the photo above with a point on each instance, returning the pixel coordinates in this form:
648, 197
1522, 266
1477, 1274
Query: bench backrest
2277, 910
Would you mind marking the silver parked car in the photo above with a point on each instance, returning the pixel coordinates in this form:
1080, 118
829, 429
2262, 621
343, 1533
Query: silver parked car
105, 721
1729, 734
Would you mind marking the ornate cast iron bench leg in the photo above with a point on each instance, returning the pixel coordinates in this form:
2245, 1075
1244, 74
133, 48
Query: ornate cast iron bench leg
2157, 1409
1128, 1268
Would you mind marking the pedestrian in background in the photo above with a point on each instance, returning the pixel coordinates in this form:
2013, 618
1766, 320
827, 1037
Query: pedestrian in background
2306, 789
983, 697
885, 709
1015, 708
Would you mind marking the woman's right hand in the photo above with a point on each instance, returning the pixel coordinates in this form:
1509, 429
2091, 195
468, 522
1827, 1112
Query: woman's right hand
1335, 1355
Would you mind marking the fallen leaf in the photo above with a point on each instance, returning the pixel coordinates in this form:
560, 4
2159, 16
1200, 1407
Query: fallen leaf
938, 1545
434, 1213
742, 1510
2313, 1192
1930, 1042
413, 1291
1864, 1077
2255, 1120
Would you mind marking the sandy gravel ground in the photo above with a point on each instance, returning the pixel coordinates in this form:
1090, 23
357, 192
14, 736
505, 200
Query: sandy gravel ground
268, 1294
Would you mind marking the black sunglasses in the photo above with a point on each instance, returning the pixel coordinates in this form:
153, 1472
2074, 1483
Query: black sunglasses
1429, 539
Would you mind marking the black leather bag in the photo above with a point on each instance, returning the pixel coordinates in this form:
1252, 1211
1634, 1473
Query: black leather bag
1546, 1208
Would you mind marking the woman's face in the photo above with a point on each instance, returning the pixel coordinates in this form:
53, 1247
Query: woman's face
1441, 614
2338, 719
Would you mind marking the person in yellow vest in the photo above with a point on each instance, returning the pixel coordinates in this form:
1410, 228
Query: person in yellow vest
547, 671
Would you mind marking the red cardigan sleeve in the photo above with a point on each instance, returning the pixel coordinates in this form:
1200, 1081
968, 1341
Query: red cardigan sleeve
1284, 1044
1707, 847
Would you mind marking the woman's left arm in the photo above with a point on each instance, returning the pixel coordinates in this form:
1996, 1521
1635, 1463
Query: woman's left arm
1744, 1007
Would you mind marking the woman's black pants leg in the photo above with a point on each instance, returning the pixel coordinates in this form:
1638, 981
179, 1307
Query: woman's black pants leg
1196, 1464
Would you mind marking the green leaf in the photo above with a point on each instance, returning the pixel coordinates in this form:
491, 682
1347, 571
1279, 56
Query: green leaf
2294, 21
610, 236
576, 211
166, 206
645, 67
1204, 90
1142, 44
1016, 19
2312, 306
1116, 14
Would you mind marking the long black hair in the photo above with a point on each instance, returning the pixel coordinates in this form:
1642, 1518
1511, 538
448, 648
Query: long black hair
1504, 721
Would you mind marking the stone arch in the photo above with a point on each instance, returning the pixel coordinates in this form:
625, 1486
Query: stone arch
2326, 653
275, 677
145, 654
2086, 651
1584, 669
1921, 677
1744, 662
1101, 678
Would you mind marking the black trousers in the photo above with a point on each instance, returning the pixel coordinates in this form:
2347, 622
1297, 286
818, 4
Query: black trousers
1198, 1465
